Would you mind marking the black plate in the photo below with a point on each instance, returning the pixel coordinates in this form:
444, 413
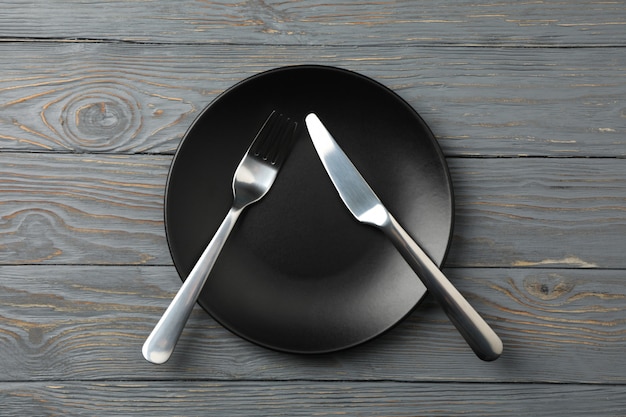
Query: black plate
299, 273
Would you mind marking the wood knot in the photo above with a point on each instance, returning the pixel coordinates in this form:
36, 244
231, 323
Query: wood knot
35, 335
102, 119
548, 287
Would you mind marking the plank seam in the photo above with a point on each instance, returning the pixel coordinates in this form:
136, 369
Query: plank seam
500, 45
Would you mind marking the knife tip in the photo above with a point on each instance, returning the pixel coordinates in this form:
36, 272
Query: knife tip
311, 117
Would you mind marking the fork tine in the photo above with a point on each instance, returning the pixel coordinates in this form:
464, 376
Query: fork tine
274, 139
282, 146
263, 135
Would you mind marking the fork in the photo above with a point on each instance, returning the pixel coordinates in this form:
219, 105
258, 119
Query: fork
252, 180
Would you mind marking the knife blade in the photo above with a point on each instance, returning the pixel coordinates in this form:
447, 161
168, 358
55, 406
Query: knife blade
367, 208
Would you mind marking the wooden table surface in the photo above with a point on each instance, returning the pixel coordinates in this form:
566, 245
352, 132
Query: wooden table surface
526, 99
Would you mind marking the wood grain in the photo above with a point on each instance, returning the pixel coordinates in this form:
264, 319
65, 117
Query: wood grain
120, 98
82, 209
527, 100
252, 398
106, 209
539, 213
490, 22
68, 323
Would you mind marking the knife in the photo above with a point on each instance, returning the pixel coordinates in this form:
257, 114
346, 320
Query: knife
367, 208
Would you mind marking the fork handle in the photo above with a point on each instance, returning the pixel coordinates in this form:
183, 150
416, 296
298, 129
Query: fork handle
159, 346
480, 337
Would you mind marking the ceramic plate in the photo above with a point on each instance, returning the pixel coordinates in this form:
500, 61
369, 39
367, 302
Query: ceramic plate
299, 273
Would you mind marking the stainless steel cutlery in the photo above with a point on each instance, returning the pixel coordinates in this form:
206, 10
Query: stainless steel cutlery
367, 208
252, 180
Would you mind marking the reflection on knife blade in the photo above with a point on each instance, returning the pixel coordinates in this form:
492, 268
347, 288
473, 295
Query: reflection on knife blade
367, 208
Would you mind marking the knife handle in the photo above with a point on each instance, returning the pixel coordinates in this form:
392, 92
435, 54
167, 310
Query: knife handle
476, 332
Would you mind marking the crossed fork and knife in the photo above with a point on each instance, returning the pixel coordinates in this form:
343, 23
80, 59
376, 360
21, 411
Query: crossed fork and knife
252, 180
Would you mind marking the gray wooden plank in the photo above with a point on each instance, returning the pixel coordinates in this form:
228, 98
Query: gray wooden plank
549, 231
119, 98
68, 323
251, 398
105, 209
82, 209
493, 23
539, 213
